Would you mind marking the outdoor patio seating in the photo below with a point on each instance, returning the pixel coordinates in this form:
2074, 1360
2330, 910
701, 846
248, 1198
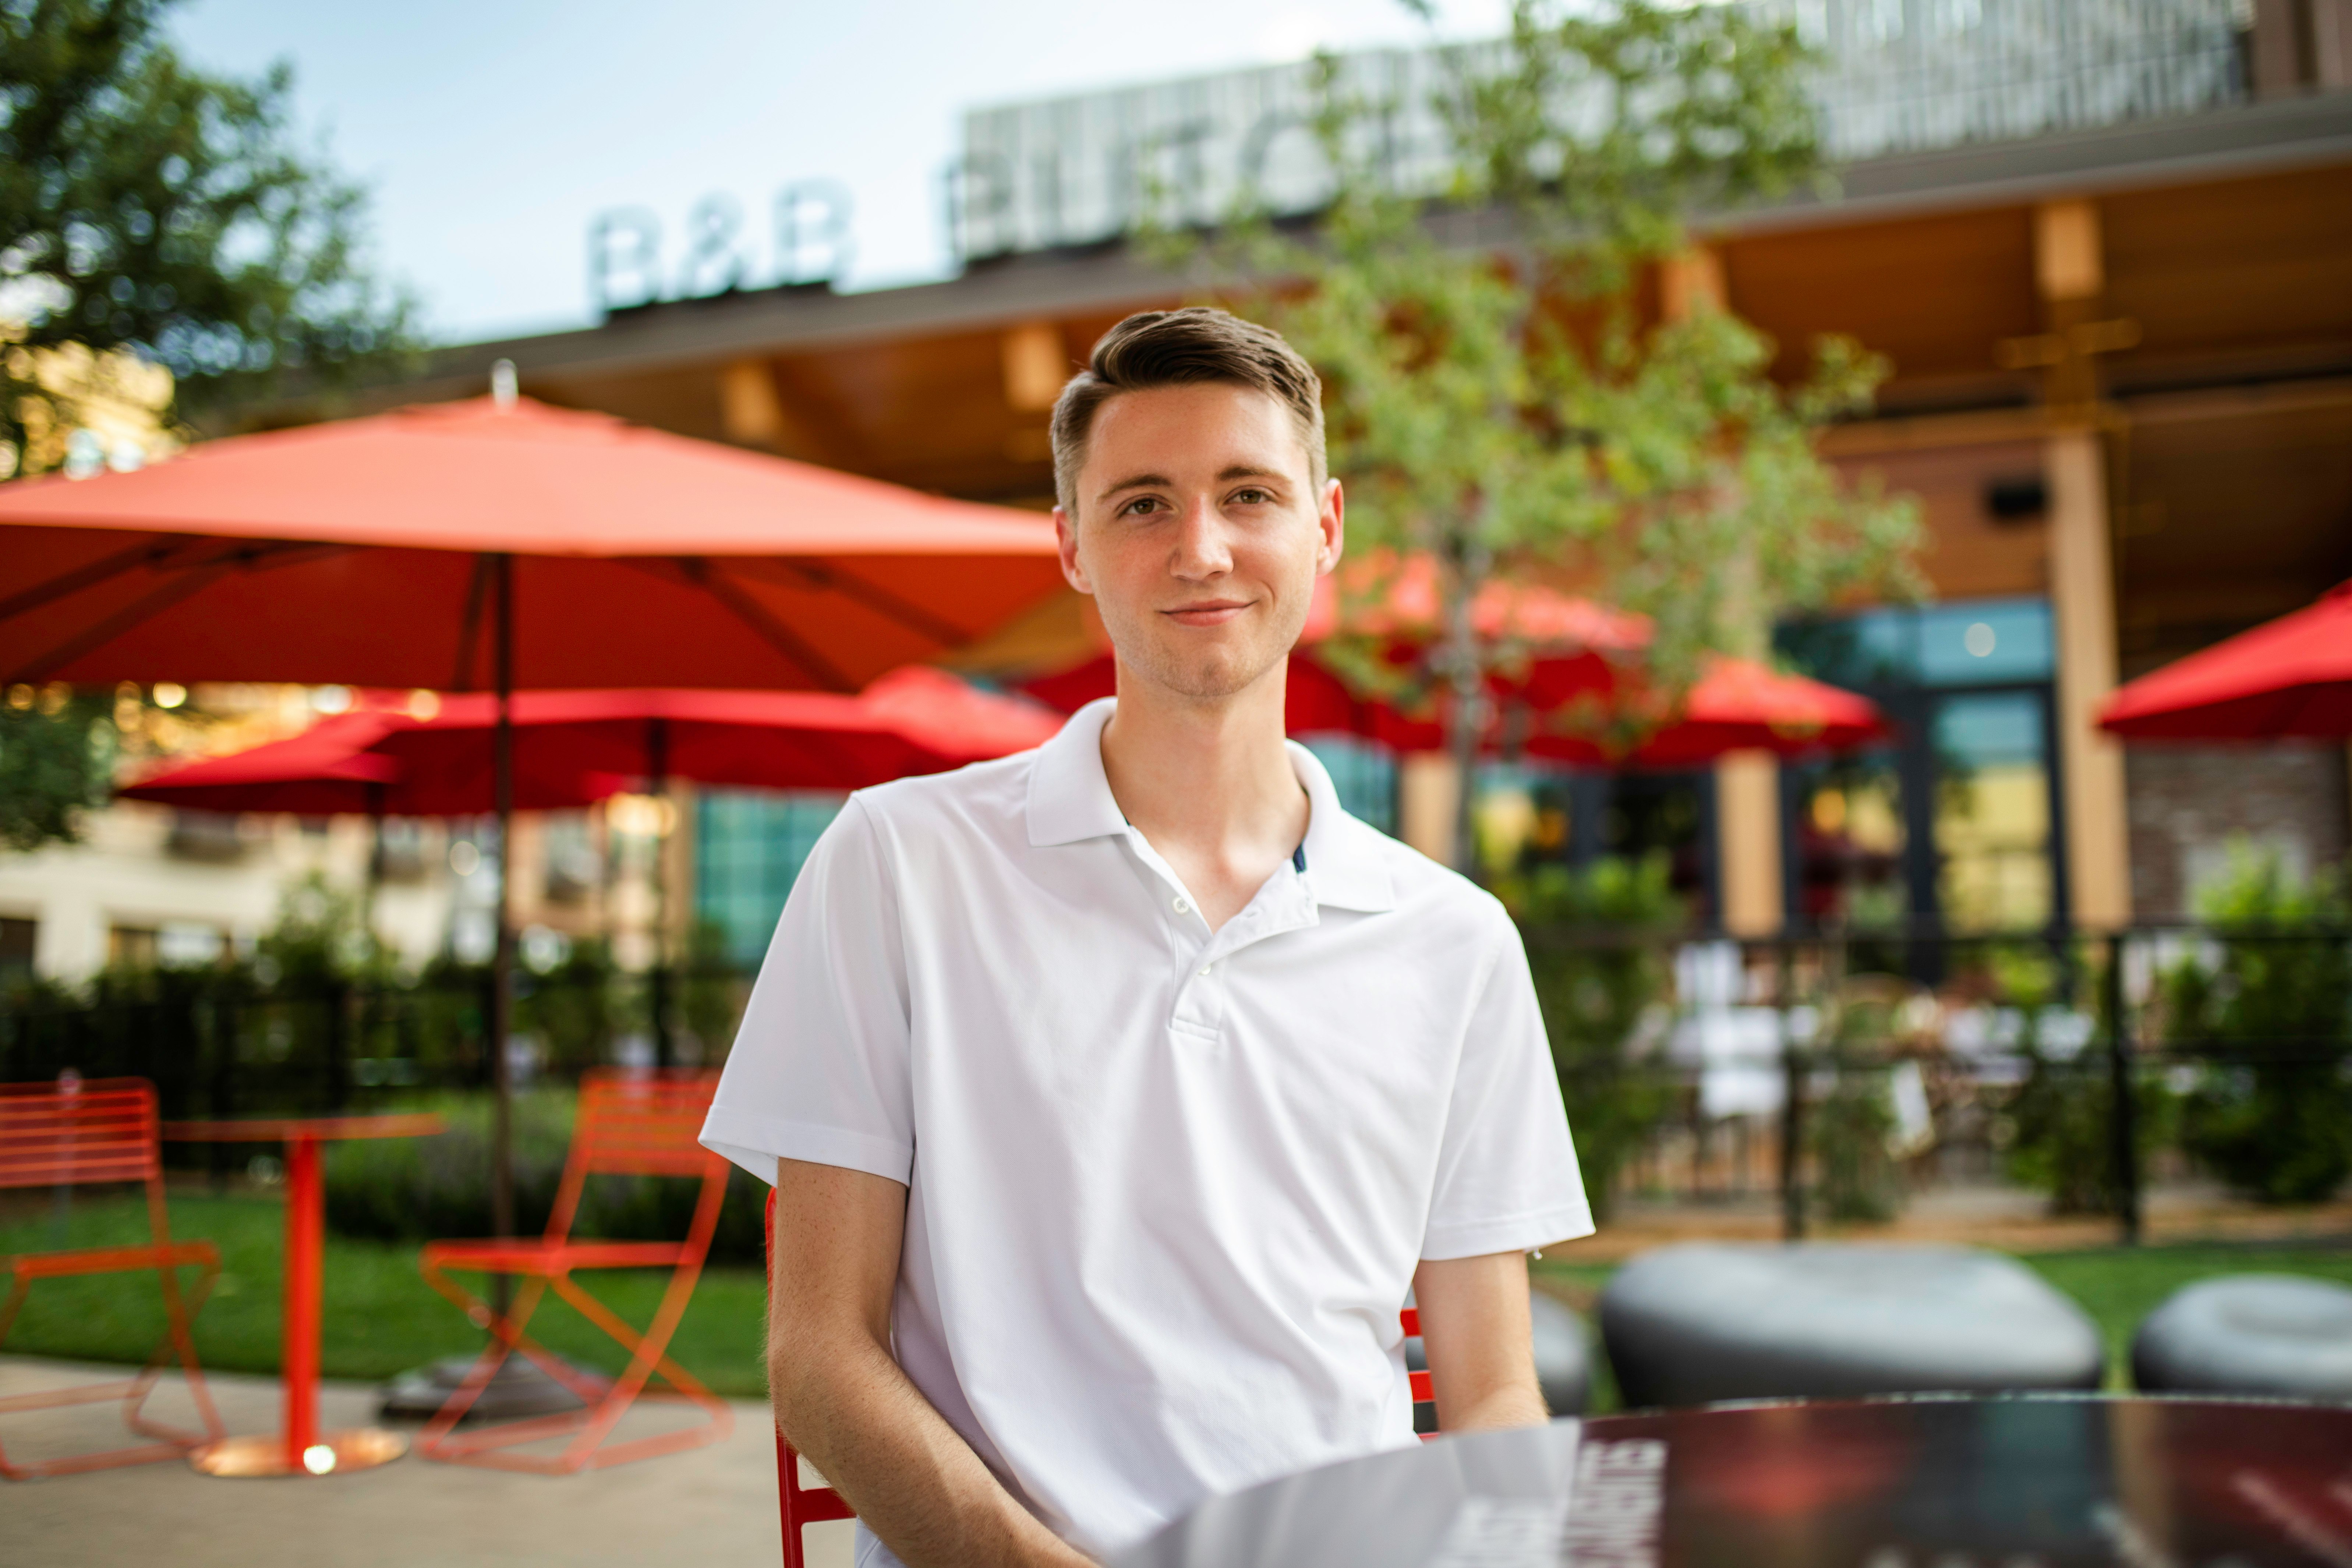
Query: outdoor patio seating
1702, 1322
2249, 1334
68, 1134
630, 1123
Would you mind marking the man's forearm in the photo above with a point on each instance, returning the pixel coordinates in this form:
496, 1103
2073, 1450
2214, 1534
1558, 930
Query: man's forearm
911, 1476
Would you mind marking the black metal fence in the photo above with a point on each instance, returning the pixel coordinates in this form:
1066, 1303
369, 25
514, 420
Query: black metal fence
1845, 1072
1840, 1073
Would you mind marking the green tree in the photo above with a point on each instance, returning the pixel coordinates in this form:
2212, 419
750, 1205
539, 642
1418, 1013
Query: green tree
150, 209
57, 760
1500, 402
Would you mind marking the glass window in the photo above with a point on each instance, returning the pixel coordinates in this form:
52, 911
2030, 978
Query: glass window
1363, 775
1985, 642
1849, 840
1992, 812
748, 847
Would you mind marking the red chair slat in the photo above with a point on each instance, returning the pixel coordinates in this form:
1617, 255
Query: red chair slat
77, 1134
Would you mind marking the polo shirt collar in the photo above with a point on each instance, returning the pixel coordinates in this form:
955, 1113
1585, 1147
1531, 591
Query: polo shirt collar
1070, 801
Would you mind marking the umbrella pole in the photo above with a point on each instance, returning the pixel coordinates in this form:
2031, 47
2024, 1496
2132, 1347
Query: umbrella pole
657, 782
375, 863
502, 1216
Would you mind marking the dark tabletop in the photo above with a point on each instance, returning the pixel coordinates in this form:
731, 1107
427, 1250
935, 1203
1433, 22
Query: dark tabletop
2023, 1482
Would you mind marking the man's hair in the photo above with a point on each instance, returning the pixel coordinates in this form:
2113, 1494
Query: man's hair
1182, 348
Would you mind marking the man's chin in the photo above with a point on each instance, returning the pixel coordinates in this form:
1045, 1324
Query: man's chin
1202, 676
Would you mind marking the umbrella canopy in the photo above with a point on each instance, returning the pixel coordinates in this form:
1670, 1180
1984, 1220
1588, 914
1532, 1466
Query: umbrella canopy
573, 748
499, 543
368, 552
2287, 678
1579, 658
329, 770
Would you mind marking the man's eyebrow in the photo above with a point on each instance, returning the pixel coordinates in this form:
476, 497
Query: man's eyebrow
1244, 471
1140, 481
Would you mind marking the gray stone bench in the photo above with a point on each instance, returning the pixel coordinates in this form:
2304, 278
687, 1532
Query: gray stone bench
1706, 1321
2249, 1334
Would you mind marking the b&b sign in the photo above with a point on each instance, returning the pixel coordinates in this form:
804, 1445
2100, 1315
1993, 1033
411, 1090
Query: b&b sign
809, 242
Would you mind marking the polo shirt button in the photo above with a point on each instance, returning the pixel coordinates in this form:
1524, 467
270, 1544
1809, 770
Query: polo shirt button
1206, 972
1182, 907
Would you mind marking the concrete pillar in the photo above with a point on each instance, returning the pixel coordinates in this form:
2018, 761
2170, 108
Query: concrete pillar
1429, 797
1748, 842
2083, 602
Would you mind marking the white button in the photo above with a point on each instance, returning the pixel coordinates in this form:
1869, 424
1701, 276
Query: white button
1206, 972
1182, 907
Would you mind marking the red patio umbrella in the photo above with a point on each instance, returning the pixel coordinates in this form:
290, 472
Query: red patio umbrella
1580, 664
499, 543
2287, 678
572, 749
329, 770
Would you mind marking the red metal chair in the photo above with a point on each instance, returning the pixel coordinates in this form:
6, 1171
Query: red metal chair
77, 1134
1424, 1391
804, 1503
630, 1122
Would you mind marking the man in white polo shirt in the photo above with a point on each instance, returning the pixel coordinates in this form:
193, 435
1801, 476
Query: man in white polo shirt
1117, 1093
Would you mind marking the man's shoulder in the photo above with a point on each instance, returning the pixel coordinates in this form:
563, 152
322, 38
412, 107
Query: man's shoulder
987, 799
1427, 891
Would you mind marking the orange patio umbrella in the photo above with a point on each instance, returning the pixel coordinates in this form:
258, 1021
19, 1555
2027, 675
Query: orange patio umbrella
498, 544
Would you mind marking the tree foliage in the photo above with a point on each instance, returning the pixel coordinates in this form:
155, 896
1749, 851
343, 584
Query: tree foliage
1501, 397
149, 207
57, 760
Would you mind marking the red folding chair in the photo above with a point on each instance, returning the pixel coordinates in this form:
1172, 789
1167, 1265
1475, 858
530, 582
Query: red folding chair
804, 1503
79, 1134
630, 1122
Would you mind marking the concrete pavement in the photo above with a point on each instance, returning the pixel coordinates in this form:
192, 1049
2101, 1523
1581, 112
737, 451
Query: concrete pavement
713, 1506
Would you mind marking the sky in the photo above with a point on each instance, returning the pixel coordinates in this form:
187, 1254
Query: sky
491, 134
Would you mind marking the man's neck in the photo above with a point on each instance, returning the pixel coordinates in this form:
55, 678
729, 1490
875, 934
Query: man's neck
1208, 784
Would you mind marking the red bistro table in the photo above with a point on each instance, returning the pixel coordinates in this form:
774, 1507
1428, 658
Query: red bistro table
301, 1449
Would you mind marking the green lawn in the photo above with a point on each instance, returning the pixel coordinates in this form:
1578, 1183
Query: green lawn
381, 1318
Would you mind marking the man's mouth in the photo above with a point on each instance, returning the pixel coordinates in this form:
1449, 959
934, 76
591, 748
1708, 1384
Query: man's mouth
1206, 612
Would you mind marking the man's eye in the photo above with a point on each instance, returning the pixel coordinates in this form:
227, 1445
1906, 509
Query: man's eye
1252, 498
1140, 505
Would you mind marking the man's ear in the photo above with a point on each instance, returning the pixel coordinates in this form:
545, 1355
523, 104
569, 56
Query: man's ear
1332, 521
1065, 540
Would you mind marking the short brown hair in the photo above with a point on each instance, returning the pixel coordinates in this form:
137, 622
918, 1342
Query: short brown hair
1182, 348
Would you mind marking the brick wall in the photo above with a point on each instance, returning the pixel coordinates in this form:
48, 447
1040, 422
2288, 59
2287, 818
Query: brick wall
2186, 802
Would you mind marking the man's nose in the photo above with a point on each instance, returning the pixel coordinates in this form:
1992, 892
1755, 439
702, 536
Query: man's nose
1201, 547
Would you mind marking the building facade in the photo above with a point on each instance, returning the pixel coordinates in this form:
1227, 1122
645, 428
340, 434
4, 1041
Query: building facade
2107, 249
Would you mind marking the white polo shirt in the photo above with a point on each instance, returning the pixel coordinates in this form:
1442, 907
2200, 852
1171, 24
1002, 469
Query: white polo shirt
1167, 1188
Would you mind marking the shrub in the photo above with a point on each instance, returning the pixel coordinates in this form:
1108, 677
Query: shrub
415, 1189
2271, 1008
1598, 949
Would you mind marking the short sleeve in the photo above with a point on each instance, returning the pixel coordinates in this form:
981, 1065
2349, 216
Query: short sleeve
1507, 1173
820, 1070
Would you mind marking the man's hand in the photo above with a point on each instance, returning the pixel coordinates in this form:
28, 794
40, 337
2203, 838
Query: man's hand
1476, 1333
842, 1401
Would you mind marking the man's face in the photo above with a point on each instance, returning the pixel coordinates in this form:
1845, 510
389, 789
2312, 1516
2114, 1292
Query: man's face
1200, 533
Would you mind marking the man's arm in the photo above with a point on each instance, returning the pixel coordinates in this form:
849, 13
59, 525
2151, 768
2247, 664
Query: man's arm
842, 1399
1475, 1332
